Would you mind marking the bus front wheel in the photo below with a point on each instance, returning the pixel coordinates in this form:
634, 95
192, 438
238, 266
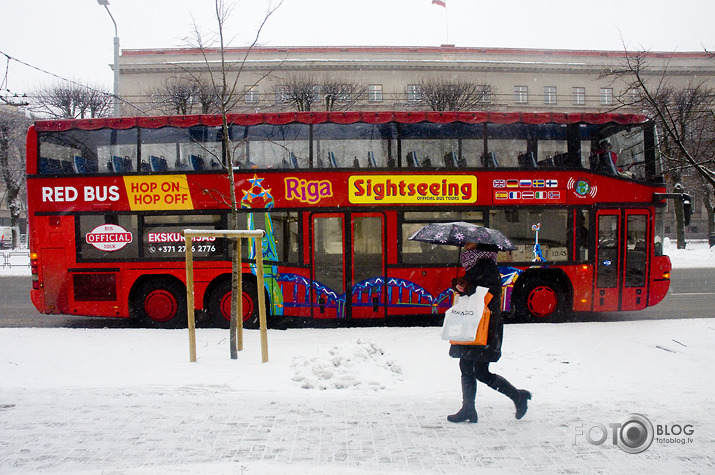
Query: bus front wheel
220, 304
161, 303
540, 301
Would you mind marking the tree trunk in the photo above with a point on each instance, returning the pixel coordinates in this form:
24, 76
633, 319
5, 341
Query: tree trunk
680, 224
710, 208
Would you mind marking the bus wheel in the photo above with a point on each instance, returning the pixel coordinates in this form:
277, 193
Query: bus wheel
161, 303
540, 301
220, 304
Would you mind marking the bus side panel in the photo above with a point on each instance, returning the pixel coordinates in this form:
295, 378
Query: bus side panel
659, 279
94, 293
294, 286
55, 232
581, 277
53, 280
415, 291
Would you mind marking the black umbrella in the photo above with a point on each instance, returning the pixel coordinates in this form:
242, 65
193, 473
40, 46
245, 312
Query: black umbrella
459, 233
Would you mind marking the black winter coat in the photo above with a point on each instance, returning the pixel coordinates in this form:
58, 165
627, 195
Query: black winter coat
484, 273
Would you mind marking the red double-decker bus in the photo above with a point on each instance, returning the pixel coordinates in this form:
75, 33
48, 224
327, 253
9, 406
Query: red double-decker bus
339, 194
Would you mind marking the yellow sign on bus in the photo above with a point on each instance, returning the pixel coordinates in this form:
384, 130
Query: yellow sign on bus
158, 192
412, 189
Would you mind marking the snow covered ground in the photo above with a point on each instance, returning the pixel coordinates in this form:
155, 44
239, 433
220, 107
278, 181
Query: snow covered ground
357, 400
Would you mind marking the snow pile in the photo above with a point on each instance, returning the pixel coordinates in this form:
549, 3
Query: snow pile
362, 364
697, 253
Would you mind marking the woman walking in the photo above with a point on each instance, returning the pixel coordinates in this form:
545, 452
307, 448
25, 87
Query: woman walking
480, 265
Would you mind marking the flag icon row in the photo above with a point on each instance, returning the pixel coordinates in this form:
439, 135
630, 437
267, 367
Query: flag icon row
536, 183
527, 195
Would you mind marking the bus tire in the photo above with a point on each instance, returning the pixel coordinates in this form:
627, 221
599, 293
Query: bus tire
161, 303
219, 305
540, 300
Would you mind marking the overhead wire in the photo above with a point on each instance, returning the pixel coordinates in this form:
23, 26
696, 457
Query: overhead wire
9, 58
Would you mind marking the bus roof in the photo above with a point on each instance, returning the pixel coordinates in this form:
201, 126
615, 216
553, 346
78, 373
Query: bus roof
280, 118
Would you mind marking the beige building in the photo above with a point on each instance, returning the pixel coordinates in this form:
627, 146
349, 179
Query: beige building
525, 80
512, 79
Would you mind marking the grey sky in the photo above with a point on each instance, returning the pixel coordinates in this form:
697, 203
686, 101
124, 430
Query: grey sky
73, 38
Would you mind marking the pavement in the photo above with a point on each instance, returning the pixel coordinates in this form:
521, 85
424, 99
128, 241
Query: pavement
221, 430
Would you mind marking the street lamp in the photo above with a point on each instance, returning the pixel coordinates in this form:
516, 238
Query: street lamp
115, 98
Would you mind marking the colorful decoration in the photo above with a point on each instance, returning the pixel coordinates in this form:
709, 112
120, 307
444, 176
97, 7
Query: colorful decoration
256, 196
538, 256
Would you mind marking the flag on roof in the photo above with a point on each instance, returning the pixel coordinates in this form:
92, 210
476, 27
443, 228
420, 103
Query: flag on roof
441, 3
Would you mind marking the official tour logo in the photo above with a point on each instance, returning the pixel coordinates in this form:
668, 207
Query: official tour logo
108, 237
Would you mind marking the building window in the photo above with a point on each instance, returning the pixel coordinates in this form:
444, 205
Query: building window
606, 96
251, 94
282, 95
374, 93
485, 94
549, 94
634, 96
521, 94
579, 96
345, 93
414, 93
316, 92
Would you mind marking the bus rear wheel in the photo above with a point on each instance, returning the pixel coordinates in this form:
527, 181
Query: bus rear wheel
540, 301
220, 304
161, 303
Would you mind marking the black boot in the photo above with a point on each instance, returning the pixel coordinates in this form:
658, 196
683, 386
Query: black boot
464, 414
468, 412
520, 402
519, 396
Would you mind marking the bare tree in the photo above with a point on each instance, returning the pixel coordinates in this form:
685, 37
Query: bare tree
685, 119
72, 101
445, 95
175, 96
339, 94
184, 95
300, 92
13, 129
306, 93
227, 90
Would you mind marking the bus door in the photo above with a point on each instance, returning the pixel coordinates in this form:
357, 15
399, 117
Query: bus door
606, 293
635, 272
348, 265
367, 276
621, 260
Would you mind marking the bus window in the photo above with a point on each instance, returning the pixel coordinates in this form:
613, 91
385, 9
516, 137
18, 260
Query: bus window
87, 151
104, 237
170, 149
505, 144
424, 145
271, 146
516, 224
636, 257
582, 232
607, 271
415, 252
630, 152
356, 145
328, 252
285, 234
162, 236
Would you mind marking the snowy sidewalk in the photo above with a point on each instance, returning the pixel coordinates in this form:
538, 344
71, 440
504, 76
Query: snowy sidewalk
213, 430
128, 401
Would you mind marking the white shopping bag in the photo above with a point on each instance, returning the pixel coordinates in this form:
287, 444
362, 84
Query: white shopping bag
462, 319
